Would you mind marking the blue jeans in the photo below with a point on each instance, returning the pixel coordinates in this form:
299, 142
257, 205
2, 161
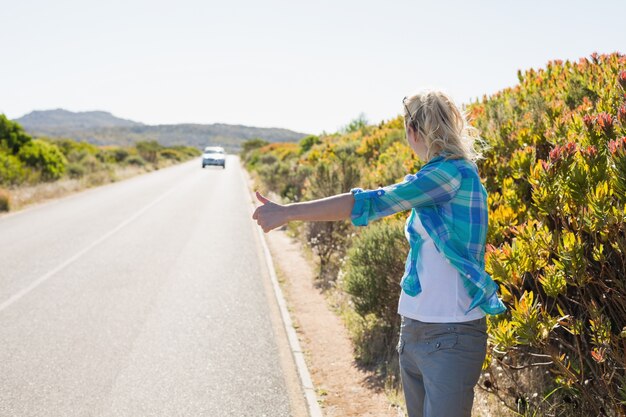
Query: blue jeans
440, 364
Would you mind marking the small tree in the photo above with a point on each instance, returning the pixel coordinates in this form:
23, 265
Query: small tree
11, 169
307, 143
250, 145
12, 136
356, 124
44, 157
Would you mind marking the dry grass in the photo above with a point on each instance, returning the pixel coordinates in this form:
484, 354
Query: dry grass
23, 196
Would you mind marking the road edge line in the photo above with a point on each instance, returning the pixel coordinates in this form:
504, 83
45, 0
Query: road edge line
296, 350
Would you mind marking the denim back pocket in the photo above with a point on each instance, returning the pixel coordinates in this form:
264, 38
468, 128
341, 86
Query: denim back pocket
440, 342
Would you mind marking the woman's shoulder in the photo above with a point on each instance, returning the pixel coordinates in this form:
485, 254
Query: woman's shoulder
449, 160
437, 169
454, 165
459, 161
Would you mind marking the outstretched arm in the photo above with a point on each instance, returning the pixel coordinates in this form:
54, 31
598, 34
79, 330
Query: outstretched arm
434, 184
271, 215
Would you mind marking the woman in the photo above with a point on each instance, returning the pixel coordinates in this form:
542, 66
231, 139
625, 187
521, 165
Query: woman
445, 289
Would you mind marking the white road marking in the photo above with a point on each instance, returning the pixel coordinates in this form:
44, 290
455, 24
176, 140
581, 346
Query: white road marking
16, 297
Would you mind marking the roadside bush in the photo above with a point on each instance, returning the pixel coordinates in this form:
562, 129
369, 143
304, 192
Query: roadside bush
374, 266
250, 145
5, 200
120, 154
75, 170
372, 145
307, 143
91, 163
555, 173
136, 160
391, 166
71, 147
279, 169
252, 160
105, 156
187, 152
171, 154
337, 172
285, 178
11, 170
45, 157
12, 136
149, 150
556, 176
268, 159
370, 277
374, 346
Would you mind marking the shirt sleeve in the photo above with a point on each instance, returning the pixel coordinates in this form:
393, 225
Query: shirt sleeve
432, 185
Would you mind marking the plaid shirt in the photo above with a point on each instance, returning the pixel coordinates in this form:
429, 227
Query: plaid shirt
452, 205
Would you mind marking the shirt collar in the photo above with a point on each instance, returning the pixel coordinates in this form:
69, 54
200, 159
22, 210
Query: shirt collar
441, 155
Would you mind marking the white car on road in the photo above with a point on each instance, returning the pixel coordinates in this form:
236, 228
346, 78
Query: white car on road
214, 155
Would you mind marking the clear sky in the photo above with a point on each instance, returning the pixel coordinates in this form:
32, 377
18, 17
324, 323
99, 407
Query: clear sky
310, 66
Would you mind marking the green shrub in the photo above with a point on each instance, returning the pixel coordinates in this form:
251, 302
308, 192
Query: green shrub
336, 174
5, 200
188, 151
120, 154
12, 136
252, 160
135, 160
356, 124
268, 159
374, 345
285, 178
556, 176
45, 157
375, 264
555, 172
307, 143
250, 145
75, 170
69, 147
92, 164
105, 156
11, 170
171, 154
149, 150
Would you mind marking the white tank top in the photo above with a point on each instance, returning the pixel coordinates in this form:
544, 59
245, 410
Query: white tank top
443, 299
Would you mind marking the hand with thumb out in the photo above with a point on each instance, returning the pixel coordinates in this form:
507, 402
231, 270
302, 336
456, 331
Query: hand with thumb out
269, 215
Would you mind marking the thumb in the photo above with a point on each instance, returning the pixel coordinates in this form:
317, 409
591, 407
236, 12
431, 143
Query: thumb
261, 198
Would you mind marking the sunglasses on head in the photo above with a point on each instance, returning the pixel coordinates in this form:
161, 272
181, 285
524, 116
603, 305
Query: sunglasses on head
411, 121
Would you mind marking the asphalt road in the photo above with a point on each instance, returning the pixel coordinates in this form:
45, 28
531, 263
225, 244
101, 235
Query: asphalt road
140, 298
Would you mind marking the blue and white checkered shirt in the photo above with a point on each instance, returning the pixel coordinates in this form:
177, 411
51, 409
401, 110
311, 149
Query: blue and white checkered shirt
452, 205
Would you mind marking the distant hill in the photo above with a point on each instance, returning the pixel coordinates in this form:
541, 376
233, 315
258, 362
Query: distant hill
63, 119
102, 128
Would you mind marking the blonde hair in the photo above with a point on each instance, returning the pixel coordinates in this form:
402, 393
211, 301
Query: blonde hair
443, 126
